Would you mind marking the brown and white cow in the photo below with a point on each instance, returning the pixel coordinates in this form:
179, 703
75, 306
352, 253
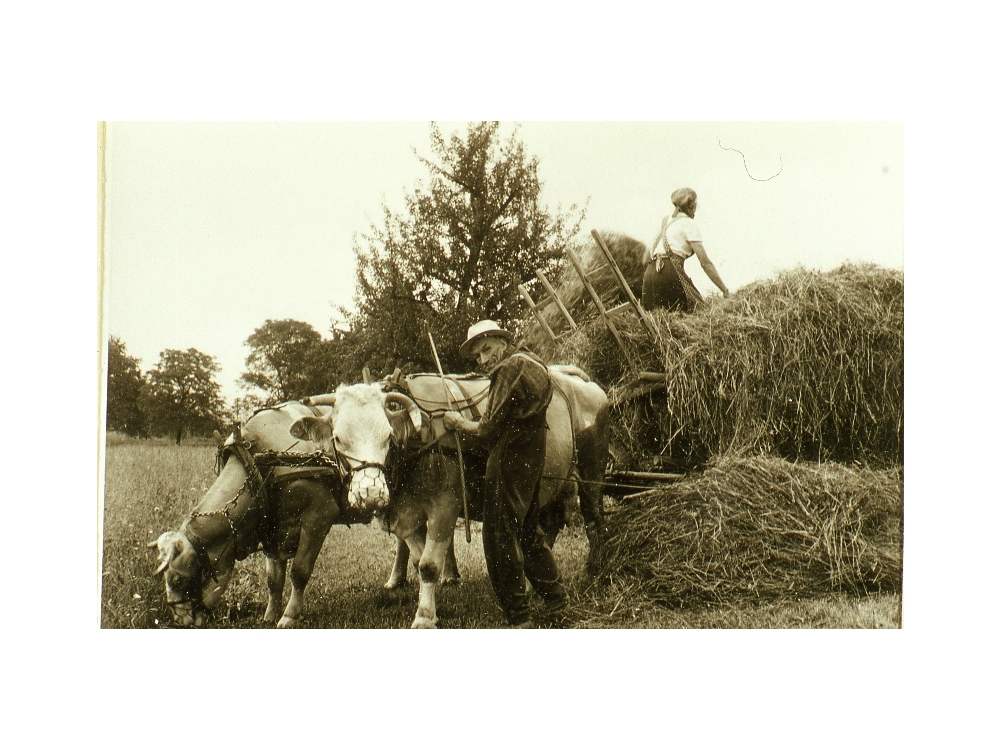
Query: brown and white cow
290, 520
427, 503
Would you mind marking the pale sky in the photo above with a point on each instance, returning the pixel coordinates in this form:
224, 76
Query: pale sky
212, 228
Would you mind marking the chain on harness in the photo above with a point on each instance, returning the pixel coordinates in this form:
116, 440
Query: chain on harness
255, 482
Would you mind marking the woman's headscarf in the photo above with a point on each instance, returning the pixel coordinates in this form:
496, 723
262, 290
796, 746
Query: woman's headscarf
682, 198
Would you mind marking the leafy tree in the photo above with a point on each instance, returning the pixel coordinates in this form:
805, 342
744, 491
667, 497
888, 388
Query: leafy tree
125, 382
289, 359
466, 239
181, 395
279, 360
333, 361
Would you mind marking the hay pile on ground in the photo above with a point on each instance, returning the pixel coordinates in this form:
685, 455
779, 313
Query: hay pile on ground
630, 256
808, 365
759, 528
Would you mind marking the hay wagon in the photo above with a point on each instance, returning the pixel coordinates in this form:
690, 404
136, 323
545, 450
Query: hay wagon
620, 478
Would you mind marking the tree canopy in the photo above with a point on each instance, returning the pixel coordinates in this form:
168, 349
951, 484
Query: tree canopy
125, 383
289, 359
181, 395
456, 254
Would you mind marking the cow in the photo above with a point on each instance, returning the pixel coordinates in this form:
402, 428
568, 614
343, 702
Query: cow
426, 501
286, 507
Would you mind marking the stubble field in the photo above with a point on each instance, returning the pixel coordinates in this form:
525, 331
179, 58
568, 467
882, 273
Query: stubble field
151, 486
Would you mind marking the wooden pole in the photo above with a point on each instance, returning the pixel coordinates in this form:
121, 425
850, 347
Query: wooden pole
623, 283
537, 313
597, 302
555, 296
652, 476
458, 441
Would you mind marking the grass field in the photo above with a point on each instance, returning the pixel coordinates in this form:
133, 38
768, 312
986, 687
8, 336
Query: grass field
151, 486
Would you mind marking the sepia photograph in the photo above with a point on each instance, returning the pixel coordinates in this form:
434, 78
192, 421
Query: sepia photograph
492, 374
574, 333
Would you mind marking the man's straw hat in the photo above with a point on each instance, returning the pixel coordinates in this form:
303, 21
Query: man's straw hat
480, 330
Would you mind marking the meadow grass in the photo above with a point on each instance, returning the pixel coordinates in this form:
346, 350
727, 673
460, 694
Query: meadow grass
152, 486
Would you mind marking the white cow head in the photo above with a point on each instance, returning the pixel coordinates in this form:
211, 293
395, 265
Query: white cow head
358, 430
191, 591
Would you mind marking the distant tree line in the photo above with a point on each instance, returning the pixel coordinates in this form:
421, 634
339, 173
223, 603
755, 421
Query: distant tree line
468, 235
179, 397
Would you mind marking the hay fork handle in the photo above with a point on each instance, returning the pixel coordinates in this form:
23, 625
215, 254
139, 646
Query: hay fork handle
458, 440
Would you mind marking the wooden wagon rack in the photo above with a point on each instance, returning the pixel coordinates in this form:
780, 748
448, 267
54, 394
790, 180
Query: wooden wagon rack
606, 314
643, 382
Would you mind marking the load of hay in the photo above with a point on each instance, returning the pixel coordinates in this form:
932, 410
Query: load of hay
759, 528
767, 391
808, 365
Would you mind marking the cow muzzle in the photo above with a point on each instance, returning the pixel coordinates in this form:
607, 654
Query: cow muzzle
369, 488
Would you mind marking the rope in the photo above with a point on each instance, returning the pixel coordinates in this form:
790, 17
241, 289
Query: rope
463, 403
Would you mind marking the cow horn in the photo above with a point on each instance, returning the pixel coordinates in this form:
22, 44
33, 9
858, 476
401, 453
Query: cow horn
408, 404
169, 554
152, 545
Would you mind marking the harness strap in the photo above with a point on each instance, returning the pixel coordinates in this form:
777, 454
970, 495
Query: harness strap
572, 423
431, 407
242, 449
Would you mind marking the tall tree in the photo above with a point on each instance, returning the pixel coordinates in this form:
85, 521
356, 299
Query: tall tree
182, 396
289, 359
279, 358
125, 382
466, 239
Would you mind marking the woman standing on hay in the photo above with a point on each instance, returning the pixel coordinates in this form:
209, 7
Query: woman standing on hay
664, 284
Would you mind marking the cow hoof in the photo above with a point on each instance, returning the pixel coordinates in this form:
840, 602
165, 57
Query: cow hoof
197, 620
445, 580
391, 585
288, 622
424, 623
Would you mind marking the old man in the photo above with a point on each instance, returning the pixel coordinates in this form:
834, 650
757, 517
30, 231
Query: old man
513, 428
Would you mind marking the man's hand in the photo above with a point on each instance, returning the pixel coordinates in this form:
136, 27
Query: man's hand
659, 263
453, 421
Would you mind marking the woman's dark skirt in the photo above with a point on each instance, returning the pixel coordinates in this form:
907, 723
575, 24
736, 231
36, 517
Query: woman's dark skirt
670, 287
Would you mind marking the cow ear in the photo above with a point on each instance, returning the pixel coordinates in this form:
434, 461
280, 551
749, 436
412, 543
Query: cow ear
313, 429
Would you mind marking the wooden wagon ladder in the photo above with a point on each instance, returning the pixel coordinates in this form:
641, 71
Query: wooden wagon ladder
630, 300
537, 307
605, 313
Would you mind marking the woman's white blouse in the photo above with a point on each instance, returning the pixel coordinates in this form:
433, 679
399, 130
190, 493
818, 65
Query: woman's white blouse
681, 232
